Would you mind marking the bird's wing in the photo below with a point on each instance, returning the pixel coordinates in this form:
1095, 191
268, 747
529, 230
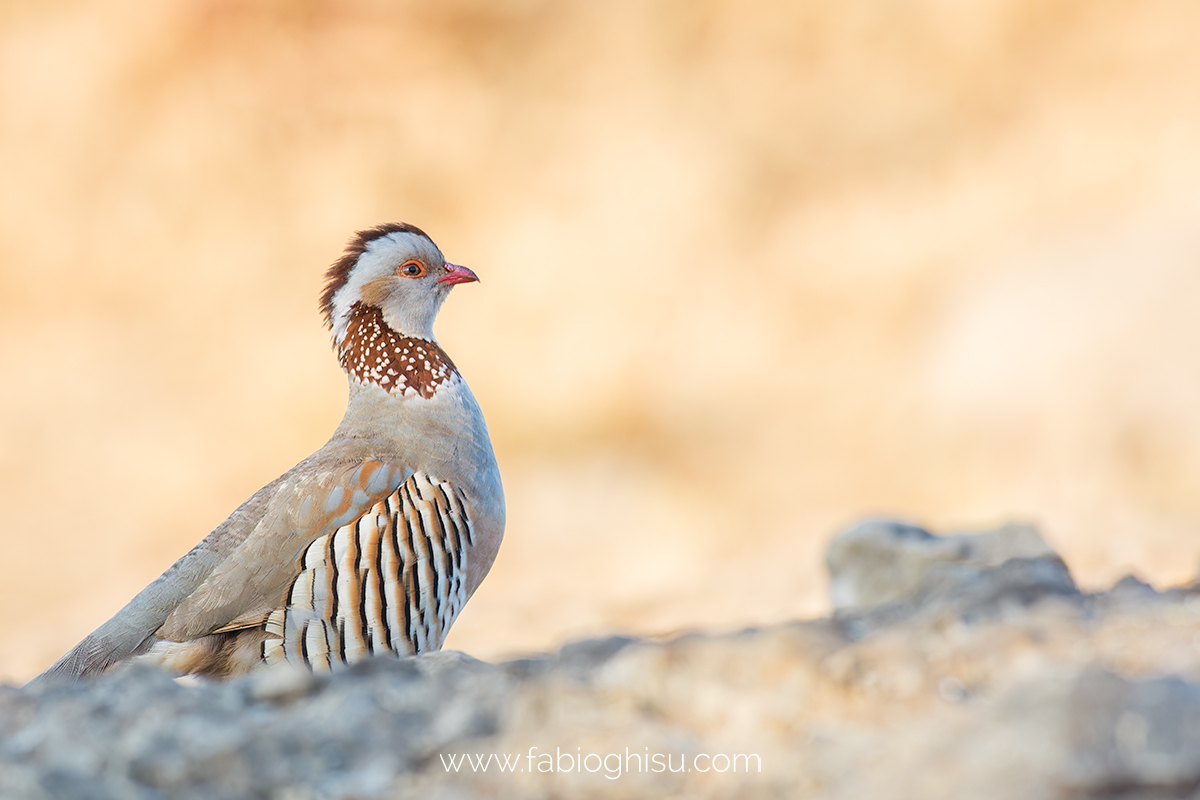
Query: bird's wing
239, 570
249, 583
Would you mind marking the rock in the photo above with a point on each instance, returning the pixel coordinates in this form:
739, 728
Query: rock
975, 669
138, 733
1130, 737
879, 561
883, 572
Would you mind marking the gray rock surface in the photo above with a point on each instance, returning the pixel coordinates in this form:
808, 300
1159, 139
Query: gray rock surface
975, 668
879, 561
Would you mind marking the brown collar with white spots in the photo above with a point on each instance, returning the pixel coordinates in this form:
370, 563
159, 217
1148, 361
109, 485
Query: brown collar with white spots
372, 352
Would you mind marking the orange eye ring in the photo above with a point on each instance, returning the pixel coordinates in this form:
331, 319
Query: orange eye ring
412, 269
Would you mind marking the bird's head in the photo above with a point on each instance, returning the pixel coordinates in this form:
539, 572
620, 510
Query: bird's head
396, 268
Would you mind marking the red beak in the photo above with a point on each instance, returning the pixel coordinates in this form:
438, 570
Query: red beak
457, 274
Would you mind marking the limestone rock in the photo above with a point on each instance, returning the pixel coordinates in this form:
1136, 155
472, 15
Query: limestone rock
877, 561
1133, 734
976, 670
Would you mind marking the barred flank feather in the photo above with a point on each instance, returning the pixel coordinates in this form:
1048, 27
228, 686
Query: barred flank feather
393, 581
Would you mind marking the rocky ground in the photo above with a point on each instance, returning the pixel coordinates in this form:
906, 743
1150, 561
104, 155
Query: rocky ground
953, 666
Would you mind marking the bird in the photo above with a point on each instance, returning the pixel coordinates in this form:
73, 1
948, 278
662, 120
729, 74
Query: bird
373, 544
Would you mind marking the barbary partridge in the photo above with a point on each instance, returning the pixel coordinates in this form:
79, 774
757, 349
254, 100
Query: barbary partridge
371, 545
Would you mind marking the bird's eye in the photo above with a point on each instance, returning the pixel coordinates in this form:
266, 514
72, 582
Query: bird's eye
412, 269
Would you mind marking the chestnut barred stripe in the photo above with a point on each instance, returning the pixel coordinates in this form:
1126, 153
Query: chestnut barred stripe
392, 581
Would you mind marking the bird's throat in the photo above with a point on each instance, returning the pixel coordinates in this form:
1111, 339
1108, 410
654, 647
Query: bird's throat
373, 352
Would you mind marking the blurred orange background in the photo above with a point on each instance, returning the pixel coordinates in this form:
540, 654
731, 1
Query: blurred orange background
750, 270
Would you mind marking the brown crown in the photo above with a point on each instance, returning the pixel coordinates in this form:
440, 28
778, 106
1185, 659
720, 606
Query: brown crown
335, 277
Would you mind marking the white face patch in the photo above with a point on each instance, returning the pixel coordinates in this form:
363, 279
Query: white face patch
382, 257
